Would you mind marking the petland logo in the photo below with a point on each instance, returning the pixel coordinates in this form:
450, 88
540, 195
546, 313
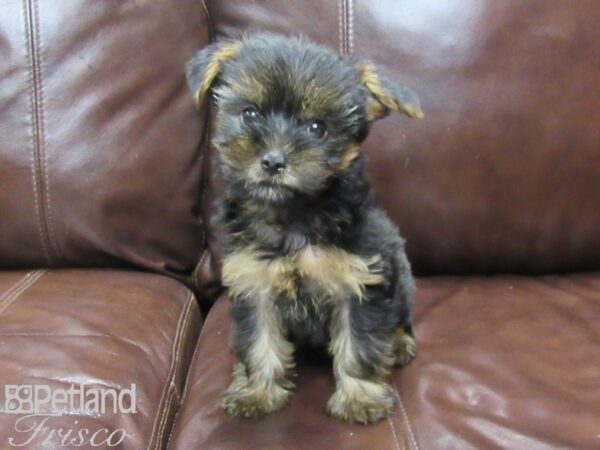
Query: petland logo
38, 405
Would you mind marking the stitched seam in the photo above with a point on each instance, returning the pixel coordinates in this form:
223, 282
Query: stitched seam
185, 388
194, 354
34, 127
187, 381
205, 155
209, 21
39, 131
411, 435
167, 391
340, 26
15, 295
194, 275
394, 434
177, 341
167, 388
345, 17
344, 28
350, 26
46, 201
196, 272
172, 386
10, 300
14, 287
163, 419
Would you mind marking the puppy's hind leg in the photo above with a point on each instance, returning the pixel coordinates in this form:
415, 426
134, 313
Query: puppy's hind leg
261, 377
405, 347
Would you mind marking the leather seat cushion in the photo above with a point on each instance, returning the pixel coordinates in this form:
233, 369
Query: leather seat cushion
504, 362
103, 329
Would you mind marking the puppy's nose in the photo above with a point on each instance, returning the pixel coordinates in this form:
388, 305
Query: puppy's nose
273, 162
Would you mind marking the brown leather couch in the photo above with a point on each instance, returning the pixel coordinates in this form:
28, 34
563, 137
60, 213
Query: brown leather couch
106, 187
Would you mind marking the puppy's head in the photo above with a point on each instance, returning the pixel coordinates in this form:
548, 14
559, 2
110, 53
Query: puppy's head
290, 114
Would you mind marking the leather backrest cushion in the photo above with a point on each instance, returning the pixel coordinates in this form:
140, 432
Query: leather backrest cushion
503, 173
100, 159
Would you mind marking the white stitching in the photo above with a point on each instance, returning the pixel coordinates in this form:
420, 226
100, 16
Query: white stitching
393, 428
167, 389
411, 435
340, 26
343, 27
171, 369
350, 26
194, 354
177, 342
187, 381
15, 286
15, 295
173, 387
32, 95
164, 417
345, 3
42, 131
346, 26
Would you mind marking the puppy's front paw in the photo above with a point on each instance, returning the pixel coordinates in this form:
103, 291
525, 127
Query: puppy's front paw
365, 406
251, 402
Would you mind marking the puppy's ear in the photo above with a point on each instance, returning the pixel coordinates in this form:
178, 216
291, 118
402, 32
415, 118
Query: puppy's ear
387, 96
204, 68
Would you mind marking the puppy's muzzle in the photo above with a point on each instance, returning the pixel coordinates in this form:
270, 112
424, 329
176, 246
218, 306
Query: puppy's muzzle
273, 162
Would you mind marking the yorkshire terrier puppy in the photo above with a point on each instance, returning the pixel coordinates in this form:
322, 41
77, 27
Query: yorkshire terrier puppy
309, 258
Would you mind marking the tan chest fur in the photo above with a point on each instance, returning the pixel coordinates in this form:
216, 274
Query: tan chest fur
335, 273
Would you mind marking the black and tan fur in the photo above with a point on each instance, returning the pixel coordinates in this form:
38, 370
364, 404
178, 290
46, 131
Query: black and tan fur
309, 259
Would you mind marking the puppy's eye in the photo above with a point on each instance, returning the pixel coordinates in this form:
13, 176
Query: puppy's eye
250, 113
317, 128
